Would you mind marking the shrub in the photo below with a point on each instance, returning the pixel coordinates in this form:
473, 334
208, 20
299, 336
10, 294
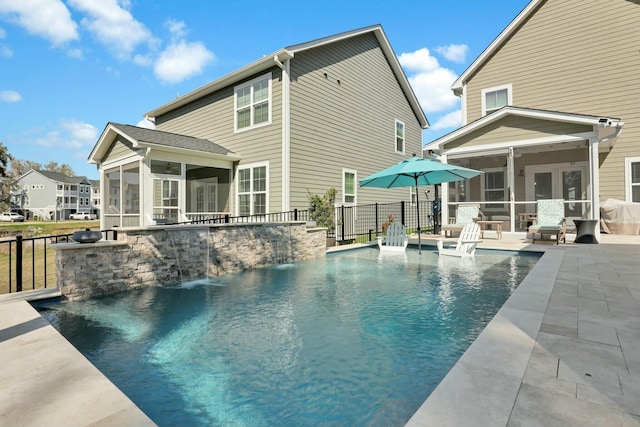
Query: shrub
321, 208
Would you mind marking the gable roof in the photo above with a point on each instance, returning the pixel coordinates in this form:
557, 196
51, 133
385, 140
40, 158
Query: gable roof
276, 58
602, 122
495, 45
143, 138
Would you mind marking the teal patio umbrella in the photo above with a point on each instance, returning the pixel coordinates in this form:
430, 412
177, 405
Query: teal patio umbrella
417, 171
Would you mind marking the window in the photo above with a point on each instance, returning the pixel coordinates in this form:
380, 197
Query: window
495, 98
253, 103
494, 189
349, 186
399, 137
632, 179
252, 189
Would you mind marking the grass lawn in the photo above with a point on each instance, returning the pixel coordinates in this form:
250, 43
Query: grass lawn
36, 262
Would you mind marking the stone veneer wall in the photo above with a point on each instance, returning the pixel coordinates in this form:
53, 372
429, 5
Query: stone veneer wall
172, 254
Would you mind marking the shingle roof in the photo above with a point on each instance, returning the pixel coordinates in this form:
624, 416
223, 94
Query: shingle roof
156, 137
60, 177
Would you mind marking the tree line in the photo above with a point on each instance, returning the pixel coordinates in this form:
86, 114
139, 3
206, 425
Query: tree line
11, 169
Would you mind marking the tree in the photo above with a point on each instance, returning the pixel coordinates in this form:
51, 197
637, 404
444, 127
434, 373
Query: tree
5, 160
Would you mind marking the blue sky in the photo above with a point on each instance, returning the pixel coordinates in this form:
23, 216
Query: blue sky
67, 67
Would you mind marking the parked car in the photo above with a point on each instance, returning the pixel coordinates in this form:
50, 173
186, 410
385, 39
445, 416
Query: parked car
11, 217
83, 215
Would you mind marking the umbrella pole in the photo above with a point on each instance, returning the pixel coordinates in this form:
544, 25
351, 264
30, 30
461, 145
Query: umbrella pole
435, 211
418, 211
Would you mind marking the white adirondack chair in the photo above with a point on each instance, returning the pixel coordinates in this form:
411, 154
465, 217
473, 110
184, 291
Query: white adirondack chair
465, 245
396, 239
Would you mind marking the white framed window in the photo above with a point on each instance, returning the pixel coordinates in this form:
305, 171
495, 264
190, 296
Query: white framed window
399, 137
494, 98
632, 179
494, 189
26, 188
252, 103
349, 187
252, 188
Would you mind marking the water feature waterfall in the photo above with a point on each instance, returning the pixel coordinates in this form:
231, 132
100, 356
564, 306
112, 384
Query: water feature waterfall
176, 253
282, 249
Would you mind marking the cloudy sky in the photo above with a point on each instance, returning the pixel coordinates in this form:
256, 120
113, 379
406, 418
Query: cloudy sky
67, 67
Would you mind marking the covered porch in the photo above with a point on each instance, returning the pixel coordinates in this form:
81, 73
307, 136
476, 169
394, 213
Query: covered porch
527, 155
150, 177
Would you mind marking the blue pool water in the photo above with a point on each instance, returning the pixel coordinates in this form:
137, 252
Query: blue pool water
355, 339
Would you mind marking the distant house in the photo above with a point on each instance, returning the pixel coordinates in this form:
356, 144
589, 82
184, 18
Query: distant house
307, 118
51, 195
550, 110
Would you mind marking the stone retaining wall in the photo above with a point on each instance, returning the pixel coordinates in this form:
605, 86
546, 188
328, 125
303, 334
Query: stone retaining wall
174, 254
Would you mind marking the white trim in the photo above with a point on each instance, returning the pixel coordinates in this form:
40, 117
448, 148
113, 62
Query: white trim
483, 93
251, 167
596, 121
355, 187
395, 136
627, 177
286, 136
269, 78
503, 147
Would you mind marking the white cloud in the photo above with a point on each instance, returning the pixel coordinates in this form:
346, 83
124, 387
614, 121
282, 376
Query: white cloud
10, 96
420, 60
454, 52
176, 28
147, 124
49, 19
113, 25
448, 121
71, 134
181, 60
430, 81
3, 34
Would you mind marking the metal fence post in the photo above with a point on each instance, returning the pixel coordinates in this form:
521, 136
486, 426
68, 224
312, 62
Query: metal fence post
343, 221
295, 214
19, 263
402, 218
377, 218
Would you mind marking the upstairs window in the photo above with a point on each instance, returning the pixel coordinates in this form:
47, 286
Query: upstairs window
253, 103
632, 178
399, 137
495, 98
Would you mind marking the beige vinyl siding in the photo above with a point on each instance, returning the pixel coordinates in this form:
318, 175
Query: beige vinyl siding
511, 128
212, 118
120, 148
346, 120
576, 56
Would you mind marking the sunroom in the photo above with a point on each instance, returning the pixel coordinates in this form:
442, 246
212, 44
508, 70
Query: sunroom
149, 177
527, 155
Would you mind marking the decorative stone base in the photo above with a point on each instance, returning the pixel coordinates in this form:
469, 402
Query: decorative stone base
172, 254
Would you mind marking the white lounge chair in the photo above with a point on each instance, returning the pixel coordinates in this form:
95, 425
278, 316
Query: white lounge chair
465, 245
396, 239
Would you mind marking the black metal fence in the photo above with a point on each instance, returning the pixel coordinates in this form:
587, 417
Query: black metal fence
26, 263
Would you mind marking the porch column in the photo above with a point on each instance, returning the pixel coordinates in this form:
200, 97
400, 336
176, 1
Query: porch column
510, 187
444, 195
594, 174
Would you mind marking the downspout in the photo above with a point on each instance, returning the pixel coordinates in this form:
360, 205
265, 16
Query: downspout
286, 132
511, 186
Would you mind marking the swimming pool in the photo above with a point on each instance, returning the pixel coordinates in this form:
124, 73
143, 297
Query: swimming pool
350, 339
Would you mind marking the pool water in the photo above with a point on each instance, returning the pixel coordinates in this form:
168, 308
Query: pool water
355, 338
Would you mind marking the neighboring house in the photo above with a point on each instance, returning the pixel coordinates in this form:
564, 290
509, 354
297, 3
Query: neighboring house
551, 110
95, 196
302, 120
51, 195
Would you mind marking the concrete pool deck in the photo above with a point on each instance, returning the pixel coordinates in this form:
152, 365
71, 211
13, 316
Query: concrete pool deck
564, 350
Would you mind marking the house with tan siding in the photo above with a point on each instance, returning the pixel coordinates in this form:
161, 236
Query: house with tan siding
550, 111
307, 118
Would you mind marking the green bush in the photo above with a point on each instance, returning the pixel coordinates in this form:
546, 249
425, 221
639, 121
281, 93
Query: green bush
321, 208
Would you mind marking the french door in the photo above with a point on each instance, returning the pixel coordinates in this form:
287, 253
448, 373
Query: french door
560, 181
